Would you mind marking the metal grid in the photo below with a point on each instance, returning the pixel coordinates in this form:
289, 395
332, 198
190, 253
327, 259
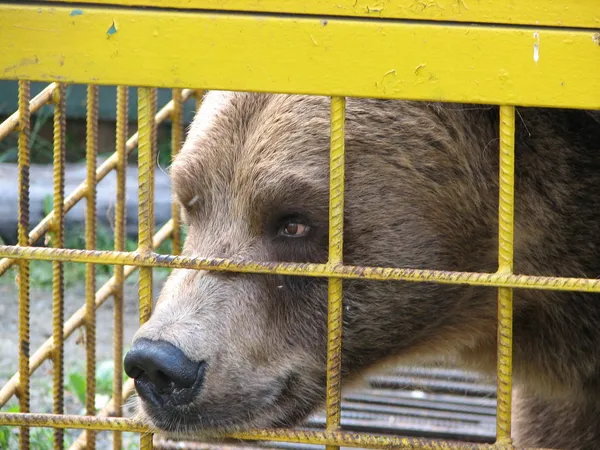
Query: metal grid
125, 263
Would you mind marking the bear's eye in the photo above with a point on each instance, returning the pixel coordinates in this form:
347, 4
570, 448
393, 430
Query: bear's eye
294, 229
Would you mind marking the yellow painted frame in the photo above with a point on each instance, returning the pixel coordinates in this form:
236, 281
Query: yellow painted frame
560, 13
337, 57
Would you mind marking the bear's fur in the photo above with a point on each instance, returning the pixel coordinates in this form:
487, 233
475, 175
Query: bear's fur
421, 192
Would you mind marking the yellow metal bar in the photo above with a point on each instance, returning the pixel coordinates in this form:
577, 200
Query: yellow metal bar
306, 269
120, 216
176, 142
336, 180
564, 13
146, 441
399, 59
58, 241
77, 320
90, 269
146, 162
334, 438
12, 122
23, 226
81, 190
336, 233
505, 260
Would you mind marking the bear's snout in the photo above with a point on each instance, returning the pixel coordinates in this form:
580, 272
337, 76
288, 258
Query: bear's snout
162, 372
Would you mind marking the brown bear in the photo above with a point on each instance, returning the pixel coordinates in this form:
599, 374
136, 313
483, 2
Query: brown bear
226, 352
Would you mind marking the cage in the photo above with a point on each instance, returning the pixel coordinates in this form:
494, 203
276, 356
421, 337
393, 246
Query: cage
502, 53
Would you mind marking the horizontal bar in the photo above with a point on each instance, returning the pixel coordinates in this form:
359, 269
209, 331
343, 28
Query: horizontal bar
304, 269
301, 436
583, 13
339, 438
398, 59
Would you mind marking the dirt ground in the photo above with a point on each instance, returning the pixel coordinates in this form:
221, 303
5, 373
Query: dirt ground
41, 329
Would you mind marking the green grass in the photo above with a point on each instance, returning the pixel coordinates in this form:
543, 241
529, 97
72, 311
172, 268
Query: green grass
75, 383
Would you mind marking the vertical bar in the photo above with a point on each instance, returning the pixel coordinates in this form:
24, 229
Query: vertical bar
176, 140
336, 223
90, 269
23, 226
121, 140
58, 241
505, 265
146, 160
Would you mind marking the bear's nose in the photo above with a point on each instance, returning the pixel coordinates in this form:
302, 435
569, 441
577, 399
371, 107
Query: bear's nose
160, 369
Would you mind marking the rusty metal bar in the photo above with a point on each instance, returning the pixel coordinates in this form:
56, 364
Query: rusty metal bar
90, 269
77, 320
120, 216
58, 241
332, 438
81, 190
146, 105
23, 228
306, 269
505, 266
12, 122
336, 231
176, 142
146, 162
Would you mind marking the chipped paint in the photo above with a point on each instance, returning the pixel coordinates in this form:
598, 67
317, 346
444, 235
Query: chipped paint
461, 6
536, 47
390, 72
419, 67
76, 12
112, 29
21, 63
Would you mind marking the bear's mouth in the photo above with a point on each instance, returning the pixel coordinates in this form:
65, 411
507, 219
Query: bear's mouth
272, 408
